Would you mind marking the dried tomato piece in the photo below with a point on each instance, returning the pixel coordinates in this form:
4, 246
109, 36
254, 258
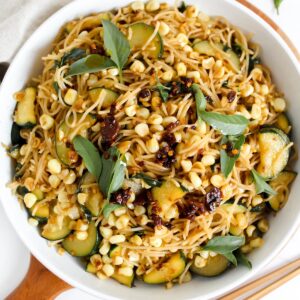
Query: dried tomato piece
167, 156
231, 96
213, 199
120, 196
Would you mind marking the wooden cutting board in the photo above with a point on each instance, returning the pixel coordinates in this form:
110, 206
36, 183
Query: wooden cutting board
49, 285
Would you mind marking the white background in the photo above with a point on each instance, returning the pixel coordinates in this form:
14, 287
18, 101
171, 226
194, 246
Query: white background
14, 257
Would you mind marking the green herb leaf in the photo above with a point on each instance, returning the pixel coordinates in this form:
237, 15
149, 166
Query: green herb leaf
90, 64
226, 124
74, 54
89, 154
163, 91
109, 208
224, 244
182, 7
56, 87
231, 257
261, 185
237, 49
113, 172
148, 180
116, 44
227, 160
277, 3
242, 259
200, 100
252, 63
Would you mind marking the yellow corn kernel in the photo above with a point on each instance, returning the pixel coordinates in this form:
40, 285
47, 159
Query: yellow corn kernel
142, 129
108, 270
208, 63
155, 242
181, 69
182, 39
137, 67
263, 225
257, 200
120, 211
54, 181
117, 239
195, 179
30, 199
193, 74
164, 29
70, 96
106, 232
139, 210
256, 243
191, 11
81, 235
247, 90
105, 247
241, 220
137, 5
46, 121
217, 180
126, 271
250, 229
152, 145
208, 160
122, 222
54, 166
186, 165
279, 104
143, 113
136, 240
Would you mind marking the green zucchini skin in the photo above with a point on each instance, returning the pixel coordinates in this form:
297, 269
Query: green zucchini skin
274, 155
109, 98
25, 112
15, 135
81, 248
52, 232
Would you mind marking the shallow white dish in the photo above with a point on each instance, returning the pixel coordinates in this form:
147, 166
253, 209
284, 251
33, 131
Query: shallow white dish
286, 74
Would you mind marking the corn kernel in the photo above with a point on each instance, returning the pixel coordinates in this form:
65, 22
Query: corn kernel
143, 113
181, 69
33, 222
126, 271
279, 104
155, 119
106, 259
137, 67
182, 39
257, 200
195, 179
117, 239
137, 5
257, 74
152, 145
130, 111
172, 213
142, 129
106, 232
81, 235
30, 199
139, 210
208, 160
136, 240
246, 249
124, 146
250, 229
186, 165
178, 137
191, 11
101, 276
54, 166
46, 121
241, 220
118, 260
256, 243
81, 225
70, 97
111, 220
247, 90
104, 249
108, 270
256, 111
187, 49
200, 262
70, 178
156, 128
208, 63
168, 75
264, 90
164, 29
54, 181
217, 180
144, 220
120, 211
169, 120
133, 256
204, 254
122, 222
193, 74
113, 72
155, 242
263, 225
235, 230
203, 17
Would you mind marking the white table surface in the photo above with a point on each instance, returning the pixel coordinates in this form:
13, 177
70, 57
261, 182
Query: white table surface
14, 257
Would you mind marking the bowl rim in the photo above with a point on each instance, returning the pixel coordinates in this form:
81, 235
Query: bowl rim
291, 52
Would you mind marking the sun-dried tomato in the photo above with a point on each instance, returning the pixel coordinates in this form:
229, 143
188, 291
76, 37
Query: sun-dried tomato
213, 199
231, 96
166, 156
120, 196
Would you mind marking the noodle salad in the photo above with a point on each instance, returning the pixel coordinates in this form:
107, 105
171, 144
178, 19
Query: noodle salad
153, 145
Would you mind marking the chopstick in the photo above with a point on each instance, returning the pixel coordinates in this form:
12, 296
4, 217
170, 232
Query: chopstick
256, 283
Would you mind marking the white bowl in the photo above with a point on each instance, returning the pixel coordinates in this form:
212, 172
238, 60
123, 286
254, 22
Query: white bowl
286, 74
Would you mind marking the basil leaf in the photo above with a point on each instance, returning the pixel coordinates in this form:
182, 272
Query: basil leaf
227, 160
224, 244
113, 172
231, 257
89, 154
90, 64
163, 91
260, 184
182, 7
56, 87
277, 3
74, 54
226, 124
109, 208
200, 100
116, 44
242, 259
148, 180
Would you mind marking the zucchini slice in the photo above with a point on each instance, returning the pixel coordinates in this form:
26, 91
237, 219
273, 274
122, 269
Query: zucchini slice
283, 123
95, 198
109, 98
53, 232
285, 178
40, 212
141, 32
15, 135
274, 154
64, 147
166, 195
204, 47
126, 280
215, 265
167, 271
83, 247
115, 250
14, 151
25, 115
237, 208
